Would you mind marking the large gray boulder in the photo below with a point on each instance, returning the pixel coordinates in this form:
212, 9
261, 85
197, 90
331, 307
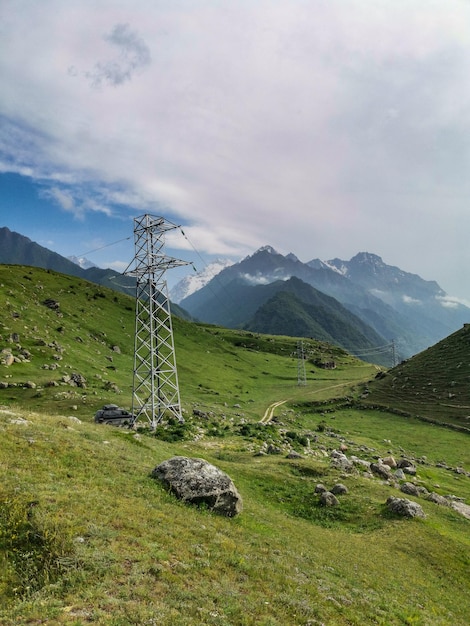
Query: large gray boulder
198, 482
404, 507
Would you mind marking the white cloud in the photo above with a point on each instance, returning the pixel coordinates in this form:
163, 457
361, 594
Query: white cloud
410, 300
323, 128
451, 302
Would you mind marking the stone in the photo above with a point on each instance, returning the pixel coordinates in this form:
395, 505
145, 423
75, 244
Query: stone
381, 470
404, 463
339, 489
196, 481
341, 462
437, 499
320, 488
410, 470
462, 508
404, 507
293, 454
390, 461
410, 488
7, 359
328, 499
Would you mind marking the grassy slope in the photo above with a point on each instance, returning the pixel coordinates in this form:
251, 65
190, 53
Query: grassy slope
126, 552
433, 384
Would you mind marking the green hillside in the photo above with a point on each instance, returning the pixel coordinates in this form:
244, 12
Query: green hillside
87, 537
434, 384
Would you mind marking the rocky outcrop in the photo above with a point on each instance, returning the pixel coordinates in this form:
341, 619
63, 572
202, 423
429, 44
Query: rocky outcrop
198, 482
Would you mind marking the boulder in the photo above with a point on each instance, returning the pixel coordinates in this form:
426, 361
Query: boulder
293, 454
198, 482
381, 470
320, 488
437, 499
339, 489
404, 507
328, 499
390, 461
341, 462
410, 488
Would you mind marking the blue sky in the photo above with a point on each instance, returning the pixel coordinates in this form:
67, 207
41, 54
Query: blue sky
320, 127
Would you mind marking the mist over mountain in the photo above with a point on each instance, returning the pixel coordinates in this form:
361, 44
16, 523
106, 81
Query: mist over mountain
388, 303
397, 305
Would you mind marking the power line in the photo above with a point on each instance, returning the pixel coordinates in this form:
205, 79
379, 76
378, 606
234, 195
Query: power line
107, 245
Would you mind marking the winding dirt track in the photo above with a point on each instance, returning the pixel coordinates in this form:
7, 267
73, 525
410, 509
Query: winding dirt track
269, 413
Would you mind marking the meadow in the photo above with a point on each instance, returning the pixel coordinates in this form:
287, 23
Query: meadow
88, 537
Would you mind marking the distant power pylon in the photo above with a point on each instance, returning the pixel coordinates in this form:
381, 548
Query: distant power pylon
155, 382
301, 375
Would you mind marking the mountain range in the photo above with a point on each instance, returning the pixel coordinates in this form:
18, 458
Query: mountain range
362, 304
393, 304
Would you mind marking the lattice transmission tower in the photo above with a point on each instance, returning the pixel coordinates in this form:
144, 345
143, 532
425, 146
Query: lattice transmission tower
155, 382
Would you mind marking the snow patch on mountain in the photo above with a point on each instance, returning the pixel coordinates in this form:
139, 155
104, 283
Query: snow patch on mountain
193, 282
82, 262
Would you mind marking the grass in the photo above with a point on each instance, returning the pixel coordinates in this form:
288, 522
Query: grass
106, 544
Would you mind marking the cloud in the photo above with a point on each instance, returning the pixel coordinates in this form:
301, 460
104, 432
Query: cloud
134, 55
410, 300
451, 302
323, 128
73, 201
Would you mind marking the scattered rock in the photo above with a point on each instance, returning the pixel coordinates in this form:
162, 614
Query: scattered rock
51, 304
7, 358
410, 488
437, 499
390, 461
404, 463
340, 461
404, 507
328, 499
198, 482
339, 489
293, 454
381, 470
410, 470
320, 488
460, 507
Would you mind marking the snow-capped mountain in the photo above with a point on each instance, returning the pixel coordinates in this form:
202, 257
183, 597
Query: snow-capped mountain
82, 262
193, 282
398, 305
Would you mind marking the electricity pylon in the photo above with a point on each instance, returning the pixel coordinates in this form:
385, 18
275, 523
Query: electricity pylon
155, 382
301, 375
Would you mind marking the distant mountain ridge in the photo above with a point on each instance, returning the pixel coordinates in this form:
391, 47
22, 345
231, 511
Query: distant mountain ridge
17, 249
397, 305
383, 302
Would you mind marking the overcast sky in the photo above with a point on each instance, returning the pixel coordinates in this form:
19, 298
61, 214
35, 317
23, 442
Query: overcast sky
320, 127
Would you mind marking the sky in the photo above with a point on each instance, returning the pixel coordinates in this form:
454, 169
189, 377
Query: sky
320, 127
